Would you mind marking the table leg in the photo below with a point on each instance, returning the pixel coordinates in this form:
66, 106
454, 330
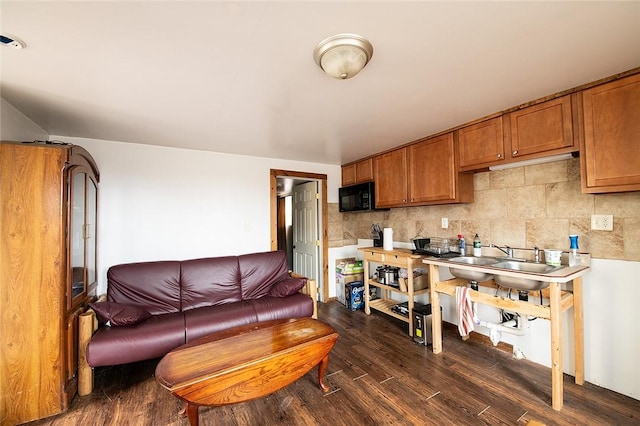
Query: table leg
322, 369
556, 346
192, 414
367, 308
436, 315
578, 330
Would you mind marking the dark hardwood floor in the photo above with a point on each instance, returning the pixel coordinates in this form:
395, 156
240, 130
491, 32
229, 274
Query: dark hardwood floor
378, 376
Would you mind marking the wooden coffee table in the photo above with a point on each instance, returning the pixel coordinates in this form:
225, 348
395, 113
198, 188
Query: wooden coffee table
246, 362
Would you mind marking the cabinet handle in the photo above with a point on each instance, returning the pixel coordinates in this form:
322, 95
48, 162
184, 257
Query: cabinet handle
499, 155
515, 152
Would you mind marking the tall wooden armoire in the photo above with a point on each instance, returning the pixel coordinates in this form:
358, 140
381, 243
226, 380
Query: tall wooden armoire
48, 194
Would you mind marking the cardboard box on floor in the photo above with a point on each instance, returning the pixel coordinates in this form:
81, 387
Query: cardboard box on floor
348, 270
354, 295
349, 266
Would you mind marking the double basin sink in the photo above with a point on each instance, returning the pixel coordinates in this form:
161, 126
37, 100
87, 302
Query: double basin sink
516, 282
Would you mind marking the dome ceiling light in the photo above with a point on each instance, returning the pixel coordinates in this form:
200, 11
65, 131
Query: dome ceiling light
10, 41
343, 55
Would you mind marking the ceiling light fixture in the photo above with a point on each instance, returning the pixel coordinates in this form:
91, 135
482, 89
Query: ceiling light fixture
343, 55
11, 41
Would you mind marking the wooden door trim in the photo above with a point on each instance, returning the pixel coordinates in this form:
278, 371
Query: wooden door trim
273, 197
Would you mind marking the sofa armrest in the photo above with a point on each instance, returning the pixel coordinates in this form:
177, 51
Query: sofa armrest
311, 290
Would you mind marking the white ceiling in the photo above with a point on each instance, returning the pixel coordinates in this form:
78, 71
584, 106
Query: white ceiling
239, 77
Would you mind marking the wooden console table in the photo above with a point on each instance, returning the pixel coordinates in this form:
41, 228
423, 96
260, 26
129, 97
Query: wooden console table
559, 302
402, 258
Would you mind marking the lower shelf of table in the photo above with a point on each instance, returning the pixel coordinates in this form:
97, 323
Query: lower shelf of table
384, 306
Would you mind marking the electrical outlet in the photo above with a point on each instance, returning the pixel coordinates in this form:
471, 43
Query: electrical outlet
602, 222
445, 223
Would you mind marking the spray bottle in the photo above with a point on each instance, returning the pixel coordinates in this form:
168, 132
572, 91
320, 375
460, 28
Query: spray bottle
462, 244
574, 256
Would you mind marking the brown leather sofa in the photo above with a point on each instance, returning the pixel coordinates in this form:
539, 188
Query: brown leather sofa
154, 307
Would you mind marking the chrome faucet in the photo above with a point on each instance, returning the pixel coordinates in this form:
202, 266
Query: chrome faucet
508, 251
536, 254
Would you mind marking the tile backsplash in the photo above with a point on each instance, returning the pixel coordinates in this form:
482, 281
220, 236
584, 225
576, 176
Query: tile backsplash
521, 207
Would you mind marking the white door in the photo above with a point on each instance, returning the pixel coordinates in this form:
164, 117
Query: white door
305, 229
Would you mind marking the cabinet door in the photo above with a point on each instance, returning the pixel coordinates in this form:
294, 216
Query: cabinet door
390, 175
432, 170
364, 170
83, 195
358, 172
541, 128
610, 151
349, 174
91, 235
480, 145
71, 346
77, 231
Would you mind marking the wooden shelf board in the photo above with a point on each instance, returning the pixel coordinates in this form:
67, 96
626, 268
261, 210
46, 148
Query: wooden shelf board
384, 306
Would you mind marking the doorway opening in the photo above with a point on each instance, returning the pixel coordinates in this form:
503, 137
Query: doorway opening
302, 222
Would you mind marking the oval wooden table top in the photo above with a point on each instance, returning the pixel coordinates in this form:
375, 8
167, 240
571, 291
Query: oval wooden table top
246, 362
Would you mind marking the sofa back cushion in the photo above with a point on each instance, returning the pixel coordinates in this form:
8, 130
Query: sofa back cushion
260, 271
210, 281
154, 286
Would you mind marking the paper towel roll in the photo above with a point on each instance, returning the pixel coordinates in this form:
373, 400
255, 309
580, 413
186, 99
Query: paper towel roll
387, 239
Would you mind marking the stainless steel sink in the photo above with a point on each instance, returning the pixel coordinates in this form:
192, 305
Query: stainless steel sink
520, 283
472, 275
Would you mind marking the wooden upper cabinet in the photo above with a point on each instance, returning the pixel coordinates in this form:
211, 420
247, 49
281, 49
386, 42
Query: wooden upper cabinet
390, 176
425, 172
433, 174
540, 130
364, 170
349, 174
610, 143
358, 172
480, 145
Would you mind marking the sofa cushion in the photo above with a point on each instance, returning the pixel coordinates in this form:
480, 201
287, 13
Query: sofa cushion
269, 308
287, 287
116, 314
153, 286
152, 338
260, 271
209, 282
210, 319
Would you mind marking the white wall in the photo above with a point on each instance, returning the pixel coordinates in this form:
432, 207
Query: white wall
16, 127
158, 203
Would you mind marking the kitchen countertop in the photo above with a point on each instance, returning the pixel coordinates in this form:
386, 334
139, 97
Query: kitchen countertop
561, 275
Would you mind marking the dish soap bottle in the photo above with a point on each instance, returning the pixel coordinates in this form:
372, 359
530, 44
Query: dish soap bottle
477, 246
574, 256
462, 244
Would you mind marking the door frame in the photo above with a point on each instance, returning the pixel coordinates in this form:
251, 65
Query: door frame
322, 178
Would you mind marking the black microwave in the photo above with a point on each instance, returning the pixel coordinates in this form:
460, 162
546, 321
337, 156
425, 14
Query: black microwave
357, 198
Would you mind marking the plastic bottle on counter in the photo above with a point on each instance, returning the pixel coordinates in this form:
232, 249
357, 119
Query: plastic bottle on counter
462, 244
574, 256
477, 246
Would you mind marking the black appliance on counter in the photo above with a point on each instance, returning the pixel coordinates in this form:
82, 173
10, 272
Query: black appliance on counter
357, 198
